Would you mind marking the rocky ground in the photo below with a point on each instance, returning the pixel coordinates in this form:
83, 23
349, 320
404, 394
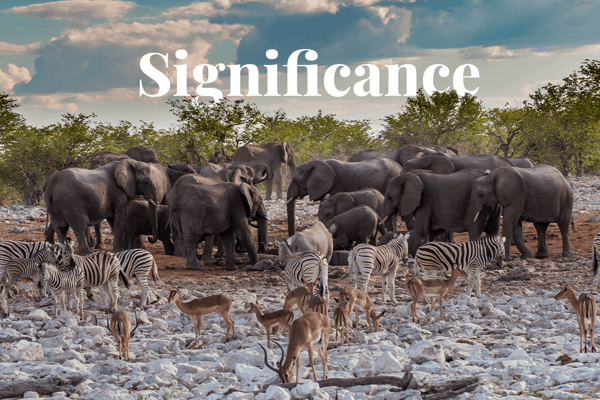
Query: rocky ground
516, 339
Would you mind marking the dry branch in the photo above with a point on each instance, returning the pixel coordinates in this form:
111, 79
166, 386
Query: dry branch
43, 386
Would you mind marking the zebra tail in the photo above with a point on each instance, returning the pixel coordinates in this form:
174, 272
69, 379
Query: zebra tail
350, 266
155, 277
595, 259
124, 278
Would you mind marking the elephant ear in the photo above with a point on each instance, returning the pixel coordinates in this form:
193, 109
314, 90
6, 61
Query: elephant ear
507, 185
412, 188
344, 202
441, 165
252, 198
320, 180
283, 151
125, 177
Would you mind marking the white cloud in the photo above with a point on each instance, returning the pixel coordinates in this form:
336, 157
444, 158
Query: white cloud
77, 10
12, 76
223, 7
499, 52
306, 6
9, 49
204, 9
397, 19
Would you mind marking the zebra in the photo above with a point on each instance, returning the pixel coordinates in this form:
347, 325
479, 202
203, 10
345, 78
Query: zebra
472, 257
10, 249
61, 281
4, 313
19, 268
596, 257
304, 267
139, 263
100, 269
379, 261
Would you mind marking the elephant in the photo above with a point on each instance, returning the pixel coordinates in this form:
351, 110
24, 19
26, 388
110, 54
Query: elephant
401, 155
439, 203
176, 171
523, 162
236, 173
137, 153
274, 155
540, 194
342, 202
78, 198
359, 224
138, 223
202, 207
319, 178
443, 163
315, 238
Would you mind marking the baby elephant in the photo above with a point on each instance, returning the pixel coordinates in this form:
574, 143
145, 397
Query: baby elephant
359, 224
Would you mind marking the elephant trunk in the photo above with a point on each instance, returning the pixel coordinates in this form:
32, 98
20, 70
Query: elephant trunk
291, 213
262, 233
153, 215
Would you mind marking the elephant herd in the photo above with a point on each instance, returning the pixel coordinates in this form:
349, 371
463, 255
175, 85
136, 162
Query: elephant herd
435, 191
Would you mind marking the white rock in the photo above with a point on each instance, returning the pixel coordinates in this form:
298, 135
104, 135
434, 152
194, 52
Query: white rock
37, 315
426, 350
277, 393
519, 355
160, 325
519, 386
247, 372
161, 367
305, 390
31, 395
388, 363
26, 351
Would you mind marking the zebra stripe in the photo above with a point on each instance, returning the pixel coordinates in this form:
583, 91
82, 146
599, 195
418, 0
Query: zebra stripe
381, 261
61, 281
596, 257
10, 249
19, 268
139, 263
304, 267
435, 257
100, 269
4, 313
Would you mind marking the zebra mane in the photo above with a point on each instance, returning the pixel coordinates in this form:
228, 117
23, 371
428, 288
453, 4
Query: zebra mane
49, 265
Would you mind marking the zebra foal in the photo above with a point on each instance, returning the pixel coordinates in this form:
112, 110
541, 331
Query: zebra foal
303, 268
378, 261
100, 269
435, 257
18, 268
66, 281
139, 263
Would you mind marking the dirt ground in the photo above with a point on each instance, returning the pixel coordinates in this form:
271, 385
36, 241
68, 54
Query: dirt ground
518, 274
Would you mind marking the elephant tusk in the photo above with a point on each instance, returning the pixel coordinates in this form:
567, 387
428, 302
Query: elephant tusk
385, 219
290, 199
476, 215
151, 201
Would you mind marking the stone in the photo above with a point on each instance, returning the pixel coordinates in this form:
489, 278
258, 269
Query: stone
305, 390
31, 395
160, 325
26, 351
519, 355
277, 393
426, 350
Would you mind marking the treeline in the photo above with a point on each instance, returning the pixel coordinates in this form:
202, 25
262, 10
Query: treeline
559, 125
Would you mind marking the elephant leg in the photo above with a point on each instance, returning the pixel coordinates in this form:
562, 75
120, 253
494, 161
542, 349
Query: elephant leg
119, 230
268, 188
518, 235
80, 230
564, 232
390, 223
279, 182
191, 257
135, 242
99, 239
229, 244
208, 248
450, 237
220, 248
242, 233
50, 234
542, 251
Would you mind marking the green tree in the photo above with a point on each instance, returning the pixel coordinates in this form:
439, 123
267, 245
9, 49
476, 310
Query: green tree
442, 119
509, 130
10, 120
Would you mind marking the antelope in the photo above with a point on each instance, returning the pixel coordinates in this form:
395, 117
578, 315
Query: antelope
431, 287
340, 320
300, 297
585, 307
360, 301
307, 331
317, 304
120, 326
205, 306
274, 319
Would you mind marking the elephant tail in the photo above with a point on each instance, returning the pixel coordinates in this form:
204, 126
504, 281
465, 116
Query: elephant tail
595, 258
573, 223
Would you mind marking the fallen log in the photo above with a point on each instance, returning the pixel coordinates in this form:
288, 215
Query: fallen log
43, 386
449, 390
344, 383
15, 339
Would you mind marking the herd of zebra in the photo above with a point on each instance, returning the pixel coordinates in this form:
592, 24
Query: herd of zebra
67, 274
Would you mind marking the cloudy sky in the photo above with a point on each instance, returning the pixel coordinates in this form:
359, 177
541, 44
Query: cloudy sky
84, 55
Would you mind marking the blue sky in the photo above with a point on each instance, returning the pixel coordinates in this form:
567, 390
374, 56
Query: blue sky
83, 55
